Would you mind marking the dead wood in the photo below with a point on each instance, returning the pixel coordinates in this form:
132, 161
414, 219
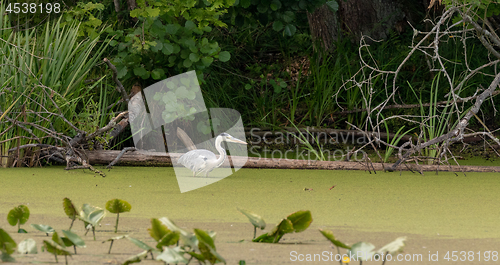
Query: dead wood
145, 158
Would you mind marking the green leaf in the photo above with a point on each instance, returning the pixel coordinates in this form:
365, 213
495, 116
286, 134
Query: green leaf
169, 239
194, 57
91, 214
255, 219
329, 235
7, 244
172, 28
245, 3
187, 63
158, 230
277, 25
69, 208
207, 61
19, 214
207, 247
157, 74
289, 30
301, 220
118, 206
140, 244
58, 240
361, 247
275, 5
167, 49
55, 249
43, 228
27, 246
394, 247
224, 56
333, 5
74, 238
288, 16
140, 71
262, 8
190, 25
172, 256
137, 258
284, 227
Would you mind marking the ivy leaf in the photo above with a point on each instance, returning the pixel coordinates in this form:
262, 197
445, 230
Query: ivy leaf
224, 56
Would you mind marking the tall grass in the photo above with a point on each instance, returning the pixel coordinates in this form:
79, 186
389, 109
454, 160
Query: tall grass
41, 67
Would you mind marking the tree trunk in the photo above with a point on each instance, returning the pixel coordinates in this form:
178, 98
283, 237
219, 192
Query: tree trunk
373, 18
324, 26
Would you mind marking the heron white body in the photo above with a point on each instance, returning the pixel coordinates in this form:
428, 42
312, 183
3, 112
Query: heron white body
201, 160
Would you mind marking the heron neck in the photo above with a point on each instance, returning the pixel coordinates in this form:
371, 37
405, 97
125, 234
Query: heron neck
222, 151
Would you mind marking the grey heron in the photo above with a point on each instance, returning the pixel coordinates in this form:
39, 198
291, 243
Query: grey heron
201, 160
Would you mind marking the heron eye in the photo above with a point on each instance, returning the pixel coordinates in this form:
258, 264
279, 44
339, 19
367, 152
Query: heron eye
205, 158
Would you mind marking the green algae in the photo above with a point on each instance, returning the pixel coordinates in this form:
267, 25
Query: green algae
444, 204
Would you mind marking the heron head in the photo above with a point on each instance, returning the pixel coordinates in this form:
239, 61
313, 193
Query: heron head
228, 138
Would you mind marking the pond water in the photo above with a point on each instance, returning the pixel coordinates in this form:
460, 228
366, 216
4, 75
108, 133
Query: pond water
444, 204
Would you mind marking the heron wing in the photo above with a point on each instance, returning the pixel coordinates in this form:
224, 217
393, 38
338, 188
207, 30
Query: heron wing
196, 160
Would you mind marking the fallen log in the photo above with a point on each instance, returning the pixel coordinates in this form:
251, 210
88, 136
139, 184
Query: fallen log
145, 158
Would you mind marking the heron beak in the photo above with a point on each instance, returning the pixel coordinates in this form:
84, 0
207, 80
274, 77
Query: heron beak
234, 140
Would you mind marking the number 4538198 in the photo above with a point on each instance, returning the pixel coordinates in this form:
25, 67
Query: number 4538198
471, 256
33, 8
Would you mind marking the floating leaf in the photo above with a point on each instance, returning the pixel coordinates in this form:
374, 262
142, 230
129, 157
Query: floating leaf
301, 220
329, 235
158, 230
113, 240
58, 240
74, 238
255, 219
169, 239
7, 244
172, 256
43, 228
55, 249
18, 215
140, 244
394, 247
361, 247
27, 246
118, 206
207, 247
137, 258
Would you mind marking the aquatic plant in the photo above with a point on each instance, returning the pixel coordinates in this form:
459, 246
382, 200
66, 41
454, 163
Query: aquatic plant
56, 246
118, 206
73, 240
19, 215
295, 222
43, 228
7, 246
256, 220
366, 249
27, 246
70, 210
91, 217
